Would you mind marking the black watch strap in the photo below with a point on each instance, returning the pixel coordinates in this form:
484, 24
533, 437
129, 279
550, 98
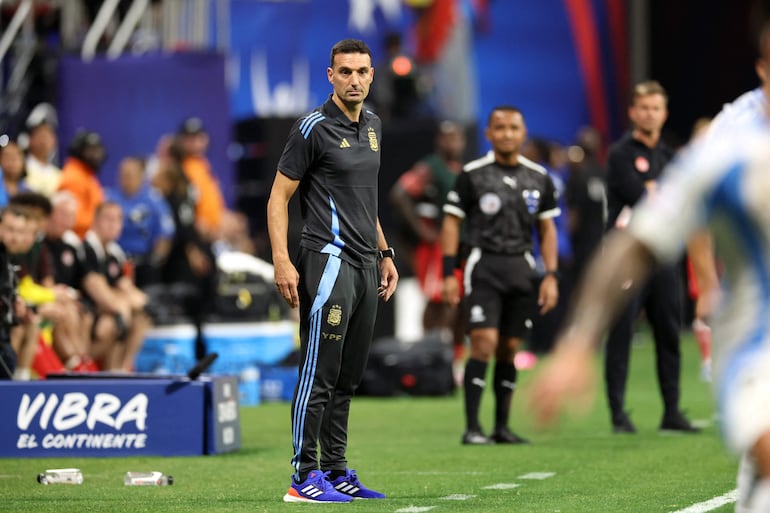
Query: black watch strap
386, 253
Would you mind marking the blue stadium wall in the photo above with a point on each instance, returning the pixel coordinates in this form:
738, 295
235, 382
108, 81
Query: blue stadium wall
561, 61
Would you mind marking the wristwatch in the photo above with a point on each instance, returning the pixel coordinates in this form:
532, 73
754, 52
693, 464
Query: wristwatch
555, 274
386, 253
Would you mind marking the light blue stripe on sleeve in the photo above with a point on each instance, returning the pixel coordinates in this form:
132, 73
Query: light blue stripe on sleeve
312, 116
309, 128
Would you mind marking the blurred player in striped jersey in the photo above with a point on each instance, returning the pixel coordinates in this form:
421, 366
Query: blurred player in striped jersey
714, 196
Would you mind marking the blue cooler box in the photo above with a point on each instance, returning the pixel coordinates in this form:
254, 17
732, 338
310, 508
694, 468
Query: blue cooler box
167, 350
243, 347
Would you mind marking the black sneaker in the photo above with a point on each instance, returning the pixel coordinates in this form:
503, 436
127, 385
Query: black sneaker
506, 436
475, 438
621, 423
677, 422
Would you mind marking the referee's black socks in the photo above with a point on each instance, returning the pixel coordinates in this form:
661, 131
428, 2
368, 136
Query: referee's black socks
474, 382
504, 383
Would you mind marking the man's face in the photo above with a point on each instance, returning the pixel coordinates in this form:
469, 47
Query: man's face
42, 141
109, 223
131, 176
648, 113
195, 144
506, 132
94, 156
351, 77
18, 233
451, 143
12, 161
62, 218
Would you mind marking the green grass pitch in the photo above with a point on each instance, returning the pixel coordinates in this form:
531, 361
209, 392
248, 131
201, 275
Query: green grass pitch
410, 449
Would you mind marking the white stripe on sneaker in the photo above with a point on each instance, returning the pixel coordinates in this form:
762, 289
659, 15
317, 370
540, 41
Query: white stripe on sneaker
347, 488
312, 491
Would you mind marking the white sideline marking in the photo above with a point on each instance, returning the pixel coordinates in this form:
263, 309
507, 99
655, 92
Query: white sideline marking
415, 509
443, 473
538, 475
502, 486
710, 504
458, 497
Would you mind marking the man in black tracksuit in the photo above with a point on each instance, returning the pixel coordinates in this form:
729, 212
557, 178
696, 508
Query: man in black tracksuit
333, 158
634, 165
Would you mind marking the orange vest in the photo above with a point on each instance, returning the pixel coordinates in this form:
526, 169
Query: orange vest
210, 205
84, 185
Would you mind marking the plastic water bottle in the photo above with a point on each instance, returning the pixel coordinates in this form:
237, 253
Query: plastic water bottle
61, 476
147, 479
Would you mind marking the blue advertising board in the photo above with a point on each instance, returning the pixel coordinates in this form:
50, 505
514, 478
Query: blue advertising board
102, 417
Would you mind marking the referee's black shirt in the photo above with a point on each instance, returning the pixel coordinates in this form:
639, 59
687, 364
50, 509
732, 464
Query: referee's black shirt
337, 162
630, 163
500, 204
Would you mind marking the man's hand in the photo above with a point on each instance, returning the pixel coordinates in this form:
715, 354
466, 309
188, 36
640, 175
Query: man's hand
567, 379
388, 278
548, 295
287, 281
450, 292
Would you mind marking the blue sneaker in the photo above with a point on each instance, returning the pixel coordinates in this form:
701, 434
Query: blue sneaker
352, 487
315, 488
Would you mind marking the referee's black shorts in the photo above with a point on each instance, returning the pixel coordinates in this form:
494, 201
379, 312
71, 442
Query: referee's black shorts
500, 292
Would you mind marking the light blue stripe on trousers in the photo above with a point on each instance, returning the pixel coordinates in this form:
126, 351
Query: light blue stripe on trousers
305, 386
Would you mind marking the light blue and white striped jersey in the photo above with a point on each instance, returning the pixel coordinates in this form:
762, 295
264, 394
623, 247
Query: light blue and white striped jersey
749, 109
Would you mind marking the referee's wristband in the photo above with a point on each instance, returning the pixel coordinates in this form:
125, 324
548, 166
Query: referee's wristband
555, 274
448, 265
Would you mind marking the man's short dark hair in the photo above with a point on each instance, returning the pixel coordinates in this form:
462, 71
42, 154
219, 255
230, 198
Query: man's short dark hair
31, 200
349, 46
503, 108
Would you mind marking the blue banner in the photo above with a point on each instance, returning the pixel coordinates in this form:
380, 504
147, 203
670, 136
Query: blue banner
90, 417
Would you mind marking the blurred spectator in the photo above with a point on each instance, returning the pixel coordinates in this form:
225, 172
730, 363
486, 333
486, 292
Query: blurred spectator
118, 304
210, 204
148, 226
42, 174
80, 176
418, 197
235, 234
57, 306
18, 236
68, 259
11, 310
191, 259
13, 168
586, 197
159, 158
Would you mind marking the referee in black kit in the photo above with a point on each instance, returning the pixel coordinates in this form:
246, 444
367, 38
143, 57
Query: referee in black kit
501, 198
634, 165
